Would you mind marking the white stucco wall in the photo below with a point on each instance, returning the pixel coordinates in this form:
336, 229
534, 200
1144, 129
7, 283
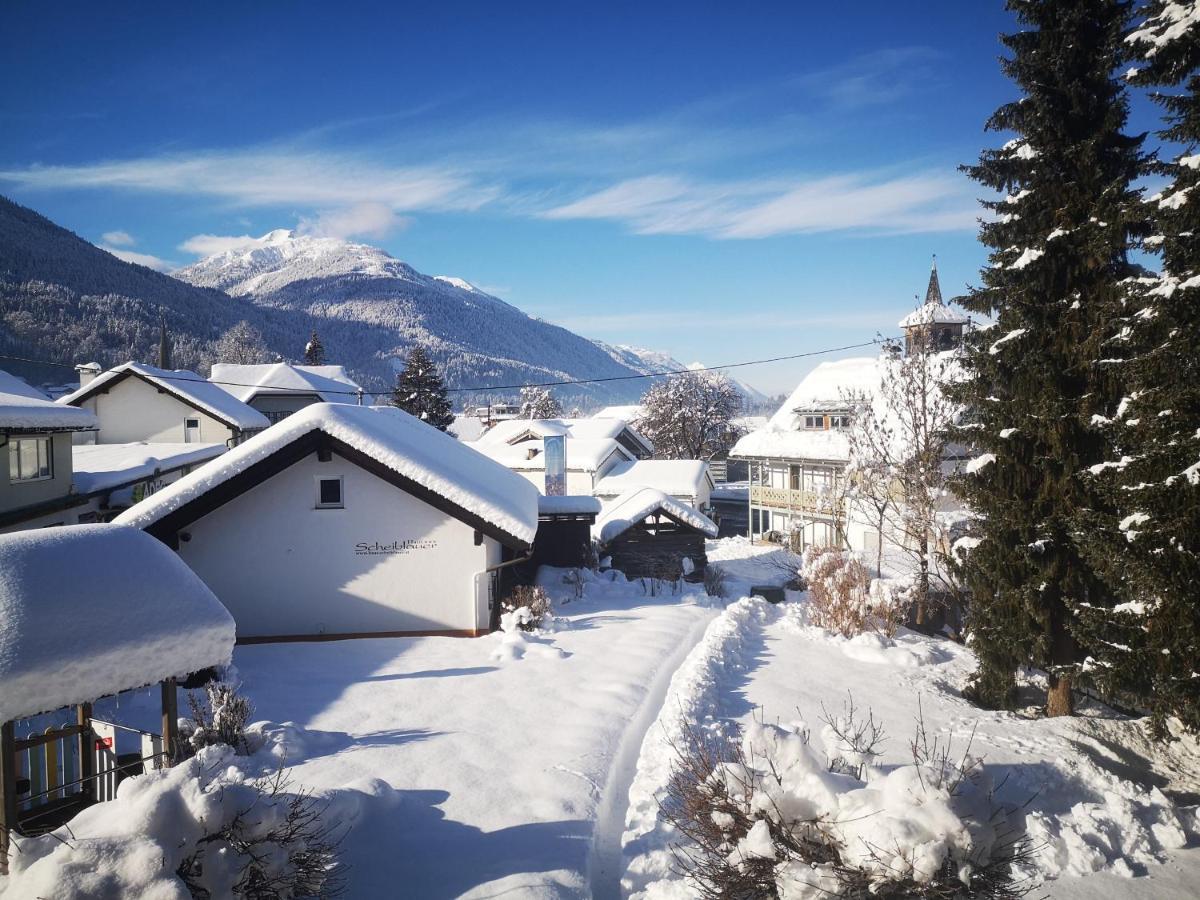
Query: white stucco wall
133, 410
578, 483
284, 567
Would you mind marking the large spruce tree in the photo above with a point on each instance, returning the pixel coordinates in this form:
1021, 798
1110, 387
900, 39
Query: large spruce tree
421, 392
1058, 256
1148, 541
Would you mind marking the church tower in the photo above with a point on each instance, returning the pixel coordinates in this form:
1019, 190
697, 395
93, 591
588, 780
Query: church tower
932, 326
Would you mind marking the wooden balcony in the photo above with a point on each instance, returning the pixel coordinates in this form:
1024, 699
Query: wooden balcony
786, 498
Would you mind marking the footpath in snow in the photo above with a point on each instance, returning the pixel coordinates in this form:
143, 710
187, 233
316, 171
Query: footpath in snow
1091, 792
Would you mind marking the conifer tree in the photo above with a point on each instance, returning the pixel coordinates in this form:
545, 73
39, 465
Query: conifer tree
314, 351
1149, 543
421, 392
1058, 254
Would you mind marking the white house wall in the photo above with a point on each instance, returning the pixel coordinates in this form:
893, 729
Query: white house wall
133, 410
387, 562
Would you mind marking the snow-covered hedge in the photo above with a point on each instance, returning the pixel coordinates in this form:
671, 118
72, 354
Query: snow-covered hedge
768, 816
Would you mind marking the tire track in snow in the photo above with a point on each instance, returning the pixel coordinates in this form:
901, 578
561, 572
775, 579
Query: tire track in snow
604, 861
691, 683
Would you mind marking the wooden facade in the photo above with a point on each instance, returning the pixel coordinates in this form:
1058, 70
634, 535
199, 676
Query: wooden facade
656, 548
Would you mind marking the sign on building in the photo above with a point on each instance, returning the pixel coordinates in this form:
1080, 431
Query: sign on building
555, 449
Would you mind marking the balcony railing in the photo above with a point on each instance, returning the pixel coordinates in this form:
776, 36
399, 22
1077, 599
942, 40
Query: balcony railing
786, 498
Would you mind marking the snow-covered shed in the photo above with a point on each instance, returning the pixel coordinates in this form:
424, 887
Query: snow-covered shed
564, 535
35, 456
279, 389
138, 402
87, 612
649, 534
346, 521
687, 480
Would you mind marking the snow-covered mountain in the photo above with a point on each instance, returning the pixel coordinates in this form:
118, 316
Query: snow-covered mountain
478, 339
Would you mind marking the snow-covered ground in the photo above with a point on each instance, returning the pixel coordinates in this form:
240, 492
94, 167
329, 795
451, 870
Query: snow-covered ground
528, 766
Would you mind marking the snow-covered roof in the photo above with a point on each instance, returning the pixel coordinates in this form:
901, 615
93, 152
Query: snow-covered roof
23, 407
583, 454
933, 314
511, 430
102, 467
785, 443
435, 460
677, 477
571, 504
189, 387
90, 610
628, 413
635, 506
330, 383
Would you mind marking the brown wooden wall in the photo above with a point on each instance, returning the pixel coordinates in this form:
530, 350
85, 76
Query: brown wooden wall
642, 554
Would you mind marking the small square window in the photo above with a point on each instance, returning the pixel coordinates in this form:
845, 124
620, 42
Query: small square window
329, 493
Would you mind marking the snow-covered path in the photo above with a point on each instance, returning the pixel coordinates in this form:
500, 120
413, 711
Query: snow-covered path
487, 774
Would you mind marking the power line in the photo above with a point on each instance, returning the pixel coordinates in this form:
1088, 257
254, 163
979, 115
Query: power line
464, 390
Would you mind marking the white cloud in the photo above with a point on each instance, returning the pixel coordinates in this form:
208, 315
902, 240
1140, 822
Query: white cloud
208, 244
141, 259
370, 220
925, 202
270, 177
118, 238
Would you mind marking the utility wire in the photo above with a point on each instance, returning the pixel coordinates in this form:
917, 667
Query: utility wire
463, 390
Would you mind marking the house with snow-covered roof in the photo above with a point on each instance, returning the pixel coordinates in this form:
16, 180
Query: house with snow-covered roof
797, 461
36, 470
139, 402
279, 389
686, 480
588, 460
345, 521
518, 431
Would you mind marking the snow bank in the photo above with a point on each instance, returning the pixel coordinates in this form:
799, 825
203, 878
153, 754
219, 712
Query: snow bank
695, 696
406, 445
90, 610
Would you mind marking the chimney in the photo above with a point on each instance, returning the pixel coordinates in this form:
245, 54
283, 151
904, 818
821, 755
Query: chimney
531, 452
87, 372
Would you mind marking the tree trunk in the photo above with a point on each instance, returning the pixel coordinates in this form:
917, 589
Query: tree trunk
1058, 699
923, 581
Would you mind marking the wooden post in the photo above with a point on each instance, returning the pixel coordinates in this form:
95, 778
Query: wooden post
170, 722
8, 791
87, 751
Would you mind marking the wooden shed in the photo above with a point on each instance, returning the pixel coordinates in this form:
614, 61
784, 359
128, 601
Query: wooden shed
648, 534
564, 532
88, 612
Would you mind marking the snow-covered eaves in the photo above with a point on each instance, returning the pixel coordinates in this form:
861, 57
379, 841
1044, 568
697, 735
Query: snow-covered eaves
92, 610
23, 408
637, 505
455, 472
569, 505
190, 388
515, 431
677, 477
583, 454
104, 467
245, 382
933, 314
773, 442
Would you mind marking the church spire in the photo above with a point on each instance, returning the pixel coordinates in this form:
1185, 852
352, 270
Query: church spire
933, 293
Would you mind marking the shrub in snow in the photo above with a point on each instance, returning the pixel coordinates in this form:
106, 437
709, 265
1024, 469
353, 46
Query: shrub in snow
526, 608
714, 581
219, 717
890, 600
764, 816
202, 829
838, 586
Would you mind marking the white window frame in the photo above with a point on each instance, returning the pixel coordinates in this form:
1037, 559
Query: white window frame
341, 503
14, 460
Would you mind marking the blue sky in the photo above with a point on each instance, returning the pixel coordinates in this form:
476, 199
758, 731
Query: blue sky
720, 181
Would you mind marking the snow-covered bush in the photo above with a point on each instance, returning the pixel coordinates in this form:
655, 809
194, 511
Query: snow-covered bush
838, 586
219, 717
763, 815
527, 607
890, 600
202, 829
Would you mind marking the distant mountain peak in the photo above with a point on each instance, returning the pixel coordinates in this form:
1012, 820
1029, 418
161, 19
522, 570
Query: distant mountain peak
460, 283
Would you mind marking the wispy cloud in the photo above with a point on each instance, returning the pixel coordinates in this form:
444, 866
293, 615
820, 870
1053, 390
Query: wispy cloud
370, 220
872, 79
142, 259
269, 177
118, 238
882, 203
209, 244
